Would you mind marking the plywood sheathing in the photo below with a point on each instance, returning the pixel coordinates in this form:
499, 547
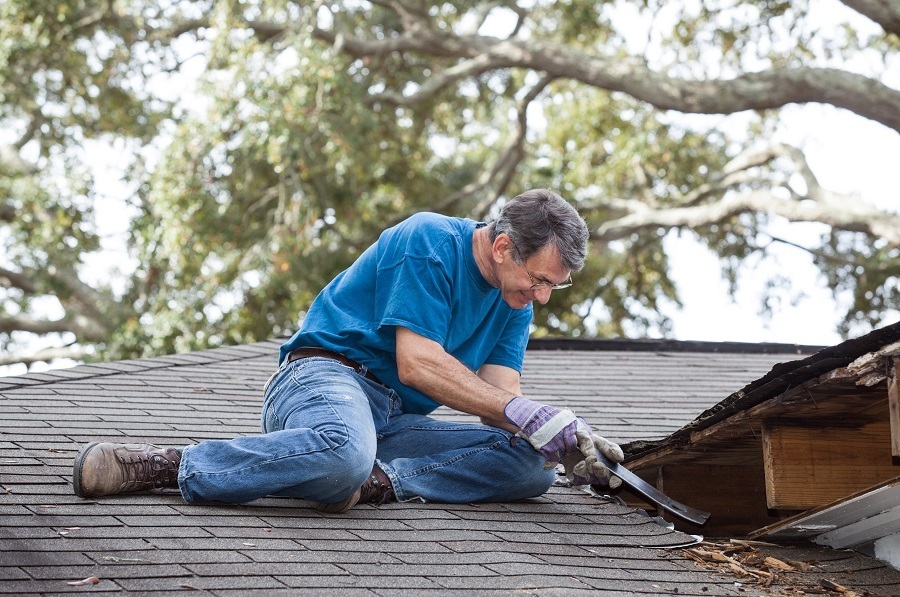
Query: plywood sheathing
894, 405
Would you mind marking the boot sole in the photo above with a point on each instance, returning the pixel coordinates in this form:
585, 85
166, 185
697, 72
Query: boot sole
76, 468
340, 507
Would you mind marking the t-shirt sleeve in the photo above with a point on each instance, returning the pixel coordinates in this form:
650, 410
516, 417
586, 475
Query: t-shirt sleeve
510, 348
415, 294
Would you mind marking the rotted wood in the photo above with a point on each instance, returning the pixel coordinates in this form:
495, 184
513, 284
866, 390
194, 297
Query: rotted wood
728, 439
894, 407
808, 465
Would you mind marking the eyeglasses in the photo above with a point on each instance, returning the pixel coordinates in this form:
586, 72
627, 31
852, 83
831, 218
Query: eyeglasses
535, 285
550, 285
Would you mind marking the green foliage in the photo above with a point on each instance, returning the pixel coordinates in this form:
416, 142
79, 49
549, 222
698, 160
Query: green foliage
291, 154
869, 272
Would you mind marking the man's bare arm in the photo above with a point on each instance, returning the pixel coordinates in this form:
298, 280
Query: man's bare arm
506, 379
425, 365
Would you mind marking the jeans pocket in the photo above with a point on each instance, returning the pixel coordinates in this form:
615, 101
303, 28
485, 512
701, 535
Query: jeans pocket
269, 418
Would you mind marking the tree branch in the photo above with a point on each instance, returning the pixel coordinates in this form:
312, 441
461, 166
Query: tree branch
752, 91
502, 170
737, 172
848, 215
515, 153
439, 81
47, 354
11, 279
100, 307
884, 12
763, 90
37, 119
7, 212
819, 254
34, 326
88, 312
505, 166
84, 328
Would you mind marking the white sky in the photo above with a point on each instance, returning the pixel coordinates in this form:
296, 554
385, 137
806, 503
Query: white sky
847, 154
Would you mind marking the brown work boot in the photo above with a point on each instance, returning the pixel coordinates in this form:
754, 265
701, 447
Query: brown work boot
377, 489
108, 469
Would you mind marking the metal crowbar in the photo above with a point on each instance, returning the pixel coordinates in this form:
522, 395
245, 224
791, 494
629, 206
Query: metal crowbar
651, 493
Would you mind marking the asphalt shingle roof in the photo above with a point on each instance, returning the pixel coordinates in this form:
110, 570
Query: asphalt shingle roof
564, 543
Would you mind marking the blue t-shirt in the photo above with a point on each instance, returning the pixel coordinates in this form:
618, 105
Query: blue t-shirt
421, 275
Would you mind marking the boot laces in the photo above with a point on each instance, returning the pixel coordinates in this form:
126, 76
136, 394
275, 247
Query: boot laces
377, 490
146, 470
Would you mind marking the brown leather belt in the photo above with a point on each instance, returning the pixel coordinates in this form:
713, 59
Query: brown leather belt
302, 353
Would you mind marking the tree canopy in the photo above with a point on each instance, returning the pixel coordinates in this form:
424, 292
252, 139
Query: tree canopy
268, 142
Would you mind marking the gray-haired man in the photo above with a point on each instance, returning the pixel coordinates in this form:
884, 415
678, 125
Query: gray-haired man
436, 312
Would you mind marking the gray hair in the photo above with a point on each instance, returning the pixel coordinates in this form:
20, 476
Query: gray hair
539, 218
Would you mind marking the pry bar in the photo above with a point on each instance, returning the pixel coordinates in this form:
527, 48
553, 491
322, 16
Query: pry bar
651, 493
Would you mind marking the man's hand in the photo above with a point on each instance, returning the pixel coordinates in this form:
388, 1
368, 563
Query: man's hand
551, 431
584, 468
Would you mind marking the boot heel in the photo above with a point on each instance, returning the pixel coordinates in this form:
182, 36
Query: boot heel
76, 468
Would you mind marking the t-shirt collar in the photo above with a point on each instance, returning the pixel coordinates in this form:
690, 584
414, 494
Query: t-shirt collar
471, 265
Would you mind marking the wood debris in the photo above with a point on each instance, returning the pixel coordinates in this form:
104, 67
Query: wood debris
747, 561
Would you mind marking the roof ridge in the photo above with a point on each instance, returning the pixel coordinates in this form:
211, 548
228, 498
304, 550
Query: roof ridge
109, 368
668, 345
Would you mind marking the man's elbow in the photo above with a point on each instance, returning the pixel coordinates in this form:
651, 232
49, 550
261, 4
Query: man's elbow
409, 371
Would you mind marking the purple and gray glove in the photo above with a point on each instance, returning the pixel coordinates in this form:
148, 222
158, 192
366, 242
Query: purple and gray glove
584, 467
559, 436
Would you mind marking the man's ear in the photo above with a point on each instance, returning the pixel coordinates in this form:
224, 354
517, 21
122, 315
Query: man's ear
502, 248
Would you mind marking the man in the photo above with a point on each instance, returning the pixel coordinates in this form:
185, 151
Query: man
437, 311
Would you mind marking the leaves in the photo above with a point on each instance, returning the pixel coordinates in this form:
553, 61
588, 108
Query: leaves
267, 145
91, 580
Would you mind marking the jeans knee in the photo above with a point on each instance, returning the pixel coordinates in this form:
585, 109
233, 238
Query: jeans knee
538, 483
352, 467
522, 475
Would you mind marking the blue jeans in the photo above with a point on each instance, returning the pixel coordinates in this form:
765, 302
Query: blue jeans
324, 426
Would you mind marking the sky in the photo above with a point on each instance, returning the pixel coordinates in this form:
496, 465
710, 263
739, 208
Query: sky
846, 152
849, 154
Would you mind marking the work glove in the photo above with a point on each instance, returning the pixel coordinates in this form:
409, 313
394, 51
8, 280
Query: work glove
551, 431
584, 468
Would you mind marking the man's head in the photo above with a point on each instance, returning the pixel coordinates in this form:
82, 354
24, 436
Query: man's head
540, 218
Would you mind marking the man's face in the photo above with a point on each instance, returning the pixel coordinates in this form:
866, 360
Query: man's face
531, 280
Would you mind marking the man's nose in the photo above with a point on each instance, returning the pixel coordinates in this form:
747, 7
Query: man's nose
542, 294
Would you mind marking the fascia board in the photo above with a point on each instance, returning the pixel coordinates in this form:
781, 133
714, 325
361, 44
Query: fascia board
851, 514
862, 531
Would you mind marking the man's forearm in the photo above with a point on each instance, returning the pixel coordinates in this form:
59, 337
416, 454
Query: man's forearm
426, 366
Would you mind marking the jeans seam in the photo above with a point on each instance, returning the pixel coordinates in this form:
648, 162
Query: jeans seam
427, 469
503, 433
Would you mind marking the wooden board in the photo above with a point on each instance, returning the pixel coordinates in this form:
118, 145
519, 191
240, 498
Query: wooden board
734, 495
894, 405
809, 465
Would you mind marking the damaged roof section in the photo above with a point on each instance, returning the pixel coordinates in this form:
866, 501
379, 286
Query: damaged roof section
802, 451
